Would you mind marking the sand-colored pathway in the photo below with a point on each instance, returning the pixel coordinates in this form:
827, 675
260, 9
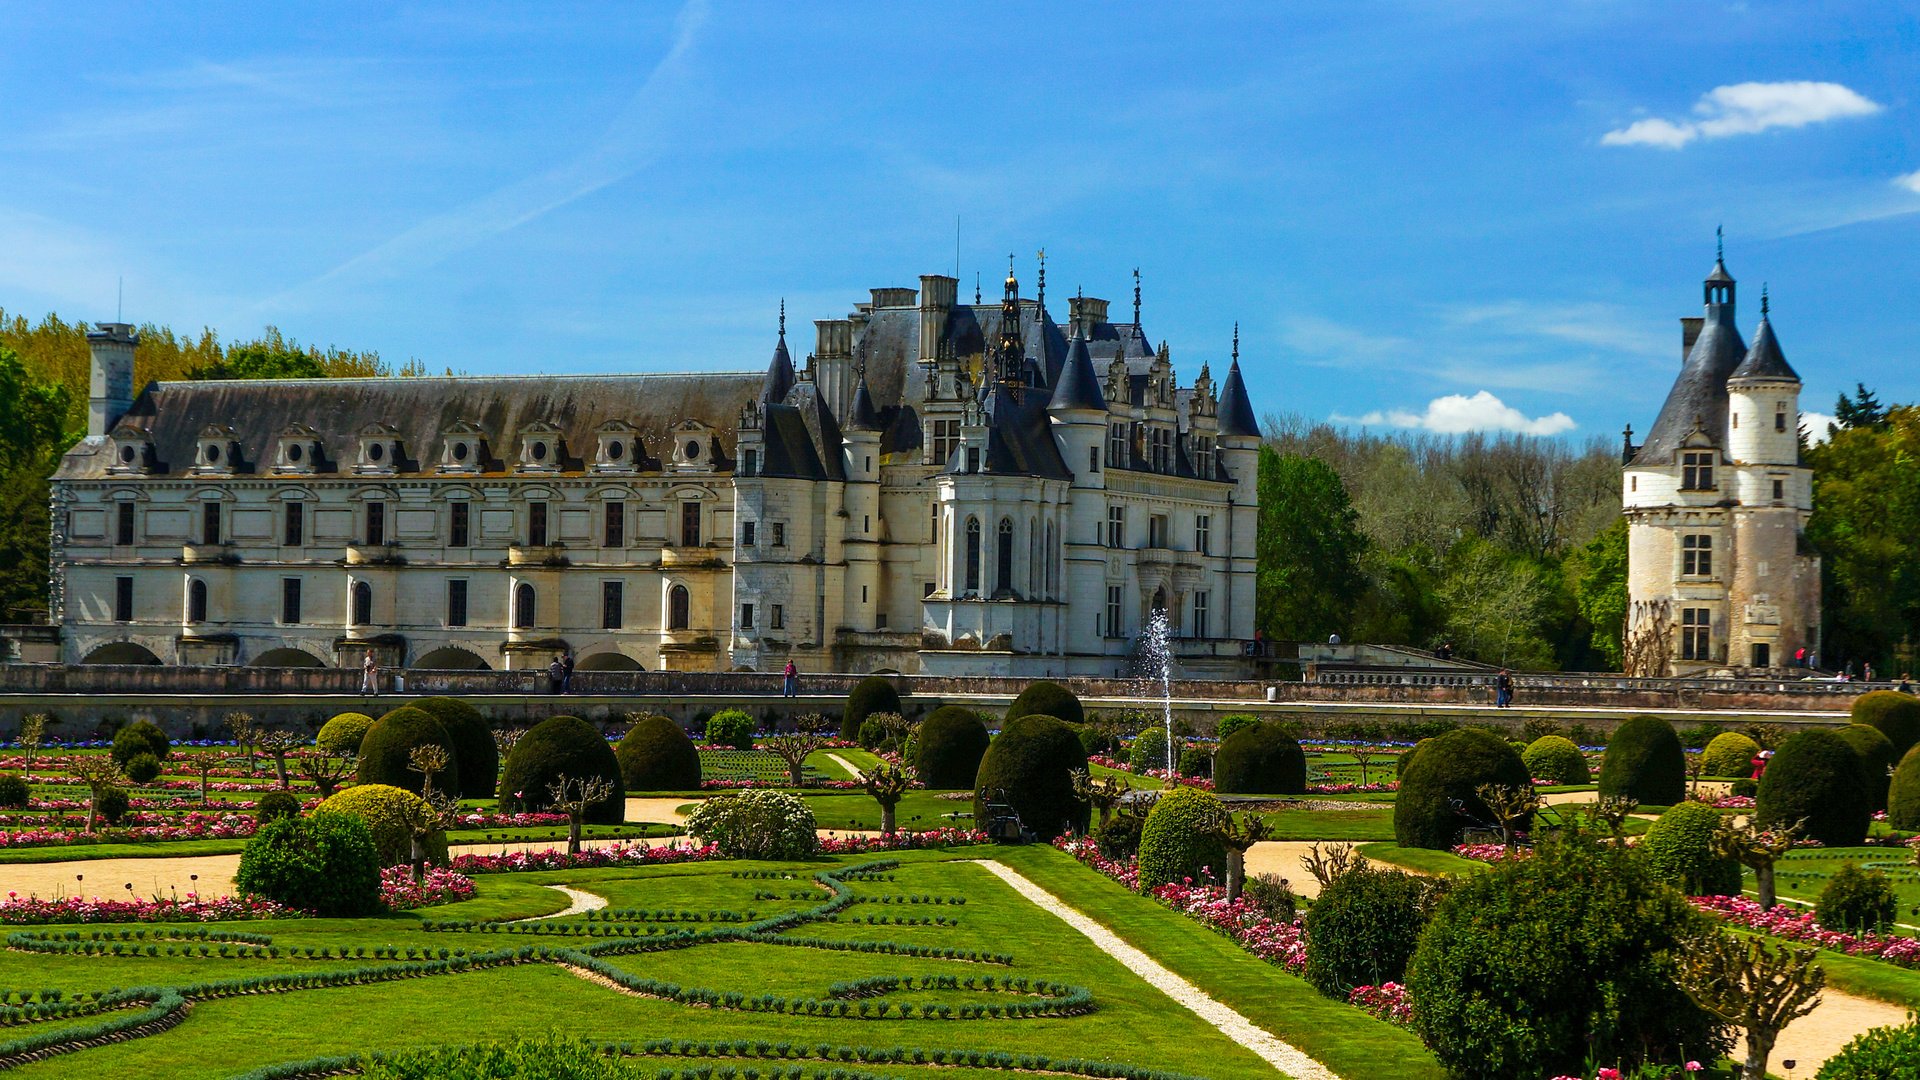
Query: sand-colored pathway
581, 902
661, 811
1812, 1039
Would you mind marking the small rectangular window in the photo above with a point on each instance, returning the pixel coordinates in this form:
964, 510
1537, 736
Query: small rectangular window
748, 532
616, 524
1200, 615
1696, 634
866, 523
1093, 459
779, 616
1116, 526
1696, 555
863, 594
1203, 534
457, 603
210, 523
611, 607
1114, 597
123, 523
296, 525
926, 589
1157, 531
973, 459
1779, 490
1696, 471
123, 599
689, 524
746, 616
749, 462
457, 524
779, 534
376, 524
1779, 424
290, 600
536, 524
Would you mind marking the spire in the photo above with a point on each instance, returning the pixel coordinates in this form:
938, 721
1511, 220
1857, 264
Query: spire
863, 416
1764, 360
1079, 388
1763, 301
1236, 341
780, 374
1040, 285
783, 318
976, 288
1012, 357
1136, 296
1235, 410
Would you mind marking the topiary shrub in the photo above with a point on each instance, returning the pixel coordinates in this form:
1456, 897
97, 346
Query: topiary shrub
555, 746
1446, 771
1856, 901
731, 727
1032, 763
1537, 967
761, 824
948, 748
1260, 760
1363, 928
1045, 698
1645, 762
142, 768
656, 755
1730, 754
1119, 838
325, 863
473, 746
1903, 795
276, 804
1148, 750
1876, 757
1897, 715
385, 748
112, 805
876, 736
1197, 761
1747, 788
1882, 1053
1232, 723
1678, 849
1406, 758
14, 792
342, 734
389, 813
870, 695
1181, 839
140, 737
1556, 758
1817, 777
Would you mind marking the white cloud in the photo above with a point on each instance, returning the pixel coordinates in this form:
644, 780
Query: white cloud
1457, 414
1746, 109
1911, 181
1815, 425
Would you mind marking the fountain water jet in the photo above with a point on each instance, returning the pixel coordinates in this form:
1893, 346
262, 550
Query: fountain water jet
1154, 660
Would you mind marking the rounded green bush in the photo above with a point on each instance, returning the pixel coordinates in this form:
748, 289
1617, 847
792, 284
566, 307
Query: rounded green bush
325, 863
342, 734
761, 824
1149, 749
1730, 754
1876, 757
1856, 901
1260, 760
142, 768
1406, 758
1556, 758
276, 804
389, 813
873, 694
1181, 839
14, 792
1046, 698
1232, 723
1897, 715
1448, 769
555, 746
473, 746
1903, 795
948, 748
1678, 849
1645, 762
1197, 761
112, 805
1882, 1053
1097, 741
874, 735
1816, 777
656, 755
1363, 929
1119, 838
385, 748
731, 727
1032, 762
1537, 967
140, 737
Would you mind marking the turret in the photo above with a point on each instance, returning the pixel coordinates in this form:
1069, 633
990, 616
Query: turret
1764, 402
1239, 431
1079, 412
110, 386
780, 374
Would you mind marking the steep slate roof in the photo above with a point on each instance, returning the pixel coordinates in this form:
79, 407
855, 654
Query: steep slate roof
1078, 387
1235, 416
863, 416
1699, 395
780, 374
1764, 359
890, 344
1020, 436
419, 409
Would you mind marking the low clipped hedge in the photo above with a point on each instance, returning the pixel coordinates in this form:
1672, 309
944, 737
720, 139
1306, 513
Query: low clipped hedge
1363, 929
1046, 698
384, 751
140, 737
1446, 771
1816, 777
276, 804
873, 694
1730, 754
656, 755
342, 734
1857, 901
1556, 758
325, 863
1903, 795
1260, 760
473, 745
948, 748
731, 727
1876, 757
1033, 761
1897, 715
1678, 849
561, 745
1645, 762
1181, 839
389, 813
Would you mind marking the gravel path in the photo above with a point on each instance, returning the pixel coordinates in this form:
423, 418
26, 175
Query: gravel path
583, 901
1234, 1026
853, 771
1812, 1039
663, 811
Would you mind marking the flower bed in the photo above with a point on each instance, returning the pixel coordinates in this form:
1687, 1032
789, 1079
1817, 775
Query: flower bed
1491, 853
192, 908
687, 851
743, 785
195, 827
438, 885
1797, 925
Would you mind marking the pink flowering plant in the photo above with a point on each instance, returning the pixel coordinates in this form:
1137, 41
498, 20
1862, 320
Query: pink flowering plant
32, 910
1798, 925
438, 885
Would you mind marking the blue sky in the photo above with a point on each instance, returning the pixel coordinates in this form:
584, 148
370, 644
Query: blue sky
1442, 215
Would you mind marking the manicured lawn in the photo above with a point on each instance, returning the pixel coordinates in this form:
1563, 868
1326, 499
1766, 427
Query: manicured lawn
1421, 859
1803, 874
1356, 825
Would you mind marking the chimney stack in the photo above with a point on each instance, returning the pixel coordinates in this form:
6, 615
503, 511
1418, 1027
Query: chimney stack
1689, 333
937, 295
110, 392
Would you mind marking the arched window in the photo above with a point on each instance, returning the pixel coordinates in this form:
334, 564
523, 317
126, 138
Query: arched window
677, 608
1036, 570
523, 606
196, 601
1053, 562
973, 555
1003, 557
1160, 599
362, 603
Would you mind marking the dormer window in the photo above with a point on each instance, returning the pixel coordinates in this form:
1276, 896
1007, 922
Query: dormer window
1696, 470
132, 451
693, 446
461, 448
298, 450
379, 451
540, 448
217, 451
618, 450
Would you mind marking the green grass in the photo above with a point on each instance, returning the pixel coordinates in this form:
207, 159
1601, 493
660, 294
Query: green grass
1801, 875
1356, 825
156, 849
1421, 859
919, 810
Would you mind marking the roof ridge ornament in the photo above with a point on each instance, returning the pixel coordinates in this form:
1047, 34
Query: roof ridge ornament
1136, 296
1763, 300
1720, 243
783, 316
1236, 341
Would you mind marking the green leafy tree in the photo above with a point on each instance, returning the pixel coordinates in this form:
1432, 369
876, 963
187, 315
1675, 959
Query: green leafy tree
1496, 606
1863, 409
1866, 526
33, 433
1309, 549
1597, 574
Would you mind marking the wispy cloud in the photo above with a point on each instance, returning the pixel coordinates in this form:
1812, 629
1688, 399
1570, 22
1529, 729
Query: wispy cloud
1746, 109
1458, 414
1911, 181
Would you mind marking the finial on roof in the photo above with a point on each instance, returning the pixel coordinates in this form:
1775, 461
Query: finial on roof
783, 316
1720, 242
1763, 299
1009, 268
1236, 341
976, 286
1040, 281
1136, 296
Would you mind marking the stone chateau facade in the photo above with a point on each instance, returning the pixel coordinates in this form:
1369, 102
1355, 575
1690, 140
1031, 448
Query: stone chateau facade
1720, 574
940, 487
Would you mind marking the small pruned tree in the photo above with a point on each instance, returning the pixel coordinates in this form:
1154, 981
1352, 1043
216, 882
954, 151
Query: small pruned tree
1103, 793
429, 760
1511, 805
1757, 849
1753, 984
33, 732
246, 732
1238, 834
202, 766
1613, 812
896, 728
277, 744
811, 731
504, 738
888, 784
574, 798
99, 772
325, 769
1333, 861
1362, 756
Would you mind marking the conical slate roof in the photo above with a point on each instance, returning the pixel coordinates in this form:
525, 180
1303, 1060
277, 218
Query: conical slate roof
780, 374
1699, 395
863, 416
1236, 410
1764, 359
1079, 387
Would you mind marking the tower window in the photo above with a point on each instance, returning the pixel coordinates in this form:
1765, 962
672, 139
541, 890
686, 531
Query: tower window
1779, 490
295, 525
458, 518
1780, 421
612, 606
748, 533
210, 523
457, 603
123, 523
746, 616
779, 534
1696, 634
943, 438
778, 617
973, 555
616, 525
1696, 471
749, 462
376, 523
689, 524
1696, 555
1003, 557
537, 524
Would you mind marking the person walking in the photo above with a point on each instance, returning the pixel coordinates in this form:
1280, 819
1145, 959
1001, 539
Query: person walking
1906, 683
1800, 657
1866, 671
790, 681
369, 675
556, 676
566, 672
1503, 689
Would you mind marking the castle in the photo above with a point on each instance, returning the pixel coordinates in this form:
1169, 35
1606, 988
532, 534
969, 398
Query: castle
1720, 574
941, 488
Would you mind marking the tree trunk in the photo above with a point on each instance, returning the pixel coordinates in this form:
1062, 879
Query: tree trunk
794, 769
280, 771
203, 789
1106, 814
573, 832
327, 787
1759, 1049
418, 851
93, 800
1236, 873
886, 819
1763, 877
